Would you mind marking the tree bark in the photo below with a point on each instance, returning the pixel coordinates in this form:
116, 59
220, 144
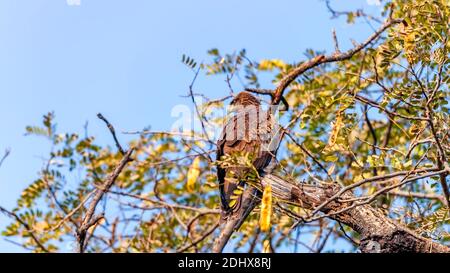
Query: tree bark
378, 232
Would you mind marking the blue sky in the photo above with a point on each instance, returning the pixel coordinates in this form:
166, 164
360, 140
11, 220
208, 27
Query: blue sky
122, 58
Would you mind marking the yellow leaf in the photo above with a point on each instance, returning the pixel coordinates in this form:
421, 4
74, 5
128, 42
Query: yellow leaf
193, 174
232, 203
266, 209
410, 45
40, 227
271, 64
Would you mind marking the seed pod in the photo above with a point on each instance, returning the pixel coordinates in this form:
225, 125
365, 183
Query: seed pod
266, 209
193, 174
336, 127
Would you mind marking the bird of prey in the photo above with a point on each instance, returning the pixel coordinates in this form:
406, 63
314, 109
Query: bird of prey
248, 130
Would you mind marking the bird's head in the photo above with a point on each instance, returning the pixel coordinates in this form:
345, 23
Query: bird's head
245, 99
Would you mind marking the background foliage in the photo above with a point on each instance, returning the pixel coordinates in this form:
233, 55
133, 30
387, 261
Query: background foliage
383, 111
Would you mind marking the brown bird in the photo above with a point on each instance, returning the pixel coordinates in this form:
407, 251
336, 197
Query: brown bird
248, 130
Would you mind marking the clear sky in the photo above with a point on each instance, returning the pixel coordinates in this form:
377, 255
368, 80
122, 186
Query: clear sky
122, 58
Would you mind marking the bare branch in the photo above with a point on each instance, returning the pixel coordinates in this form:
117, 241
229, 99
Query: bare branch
409, 194
87, 220
165, 204
70, 214
376, 105
199, 115
201, 238
5, 155
113, 132
336, 43
358, 13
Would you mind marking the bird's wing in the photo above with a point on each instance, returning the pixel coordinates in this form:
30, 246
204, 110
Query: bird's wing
228, 143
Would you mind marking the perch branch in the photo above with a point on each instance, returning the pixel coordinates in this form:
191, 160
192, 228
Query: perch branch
320, 59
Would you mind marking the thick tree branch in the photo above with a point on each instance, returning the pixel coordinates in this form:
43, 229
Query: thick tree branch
378, 232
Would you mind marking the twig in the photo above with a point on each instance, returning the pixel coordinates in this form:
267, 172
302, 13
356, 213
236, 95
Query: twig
373, 133
254, 241
369, 199
70, 214
270, 93
192, 221
376, 105
187, 136
308, 153
7, 153
199, 115
336, 43
203, 237
368, 180
380, 147
165, 204
87, 221
441, 160
418, 195
358, 13
346, 235
113, 132
324, 241
317, 60
387, 136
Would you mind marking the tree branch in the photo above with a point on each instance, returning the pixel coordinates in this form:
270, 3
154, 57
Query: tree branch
207, 233
378, 232
420, 195
6, 154
87, 220
113, 133
305, 66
